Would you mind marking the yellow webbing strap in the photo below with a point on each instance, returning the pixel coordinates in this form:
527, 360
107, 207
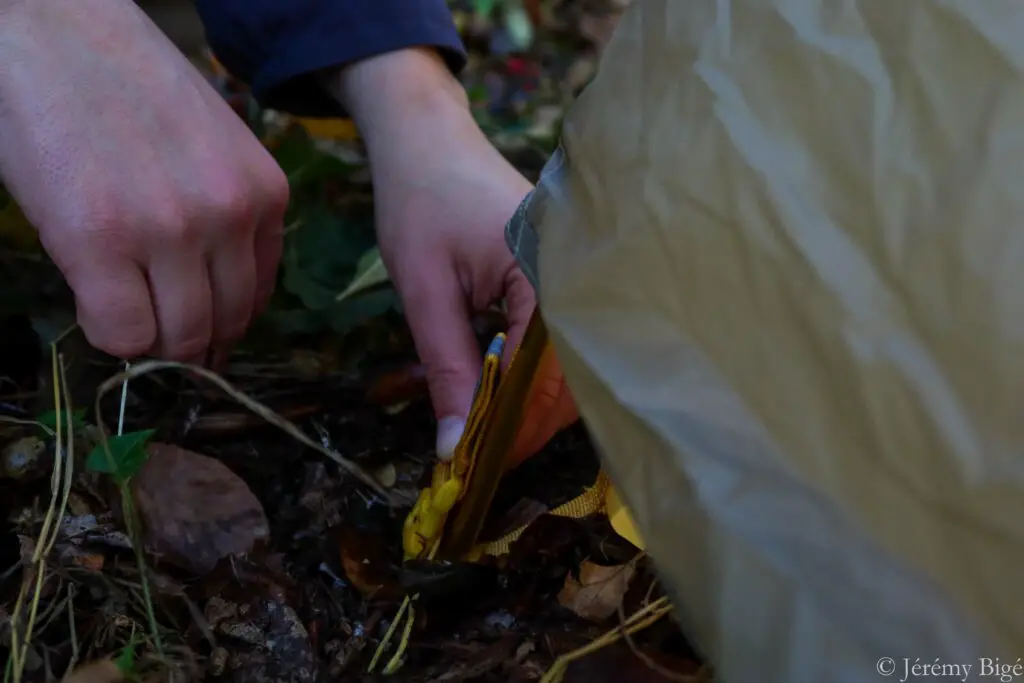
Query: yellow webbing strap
590, 502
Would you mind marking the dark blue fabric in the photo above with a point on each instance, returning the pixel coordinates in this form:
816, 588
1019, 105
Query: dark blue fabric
276, 46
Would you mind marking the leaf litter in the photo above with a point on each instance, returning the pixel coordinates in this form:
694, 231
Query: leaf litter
246, 526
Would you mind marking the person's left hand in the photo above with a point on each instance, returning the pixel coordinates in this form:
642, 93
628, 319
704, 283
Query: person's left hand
443, 195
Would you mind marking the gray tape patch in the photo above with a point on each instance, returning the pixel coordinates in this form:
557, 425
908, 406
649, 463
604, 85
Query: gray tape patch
521, 232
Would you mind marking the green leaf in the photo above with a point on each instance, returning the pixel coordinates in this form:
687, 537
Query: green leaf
353, 312
304, 164
322, 254
127, 454
49, 419
370, 272
125, 661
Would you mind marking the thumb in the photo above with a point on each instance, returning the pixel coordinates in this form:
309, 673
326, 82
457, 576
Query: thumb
520, 301
439, 320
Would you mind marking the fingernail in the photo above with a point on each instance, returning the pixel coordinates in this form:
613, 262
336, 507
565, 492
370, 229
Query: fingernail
449, 431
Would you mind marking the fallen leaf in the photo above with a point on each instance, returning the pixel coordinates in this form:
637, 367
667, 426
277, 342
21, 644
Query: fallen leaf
364, 561
195, 511
598, 592
398, 386
93, 562
100, 671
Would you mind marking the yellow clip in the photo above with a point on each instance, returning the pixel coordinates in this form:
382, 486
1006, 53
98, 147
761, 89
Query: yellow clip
423, 526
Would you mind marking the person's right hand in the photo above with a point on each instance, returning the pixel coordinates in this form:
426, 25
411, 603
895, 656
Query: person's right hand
161, 209
443, 195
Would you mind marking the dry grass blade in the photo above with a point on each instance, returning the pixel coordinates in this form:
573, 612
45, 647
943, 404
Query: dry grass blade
255, 406
650, 663
60, 490
28, 423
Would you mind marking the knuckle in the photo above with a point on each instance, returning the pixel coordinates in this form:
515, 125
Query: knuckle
169, 219
231, 204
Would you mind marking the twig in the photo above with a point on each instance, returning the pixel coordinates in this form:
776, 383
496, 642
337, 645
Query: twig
646, 658
72, 628
263, 411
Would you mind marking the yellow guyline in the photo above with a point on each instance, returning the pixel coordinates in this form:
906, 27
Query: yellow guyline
462, 489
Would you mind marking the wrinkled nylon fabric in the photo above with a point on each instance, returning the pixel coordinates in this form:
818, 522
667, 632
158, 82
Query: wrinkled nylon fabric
780, 258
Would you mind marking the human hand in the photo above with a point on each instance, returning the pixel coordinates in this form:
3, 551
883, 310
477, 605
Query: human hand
161, 209
443, 195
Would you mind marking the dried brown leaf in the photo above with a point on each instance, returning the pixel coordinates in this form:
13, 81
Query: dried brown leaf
599, 591
364, 561
398, 385
99, 671
194, 509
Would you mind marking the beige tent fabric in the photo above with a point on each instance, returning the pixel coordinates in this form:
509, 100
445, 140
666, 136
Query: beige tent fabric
781, 258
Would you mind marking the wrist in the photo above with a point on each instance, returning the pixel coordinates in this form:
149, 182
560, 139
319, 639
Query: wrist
402, 94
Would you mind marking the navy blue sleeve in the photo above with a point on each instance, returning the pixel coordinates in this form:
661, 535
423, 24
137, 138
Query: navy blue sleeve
277, 46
